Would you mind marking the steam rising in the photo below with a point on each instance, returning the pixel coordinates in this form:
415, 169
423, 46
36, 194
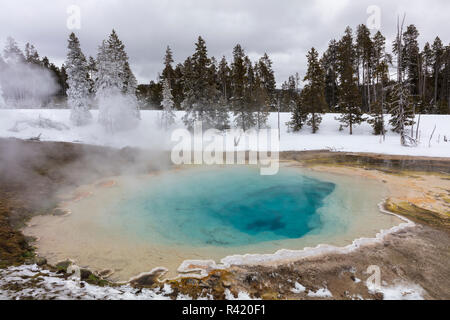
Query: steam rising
25, 85
2, 101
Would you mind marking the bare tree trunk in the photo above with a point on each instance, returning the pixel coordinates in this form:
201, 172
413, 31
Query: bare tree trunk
368, 88
400, 79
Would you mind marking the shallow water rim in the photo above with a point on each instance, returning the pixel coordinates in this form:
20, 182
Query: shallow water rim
201, 268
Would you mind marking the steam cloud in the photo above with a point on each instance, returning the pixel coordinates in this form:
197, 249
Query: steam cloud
26, 86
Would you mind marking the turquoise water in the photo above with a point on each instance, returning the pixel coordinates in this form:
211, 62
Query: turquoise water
223, 207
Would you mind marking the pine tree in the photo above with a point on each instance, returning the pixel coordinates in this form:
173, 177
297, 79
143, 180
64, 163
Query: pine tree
115, 87
77, 79
168, 72
411, 58
267, 76
168, 115
177, 86
329, 64
299, 114
381, 61
438, 52
12, 53
241, 87
261, 99
364, 50
92, 71
31, 54
349, 98
197, 94
224, 79
314, 91
265, 91
426, 58
376, 119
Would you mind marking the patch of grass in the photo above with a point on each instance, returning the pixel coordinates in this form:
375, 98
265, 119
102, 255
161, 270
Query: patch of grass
28, 254
93, 279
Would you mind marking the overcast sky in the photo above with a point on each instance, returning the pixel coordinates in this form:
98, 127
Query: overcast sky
285, 29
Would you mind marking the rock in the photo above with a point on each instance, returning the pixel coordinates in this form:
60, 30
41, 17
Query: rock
226, 284
40, 261
59, 212
85, 274
63, 265
148, 279
192, 282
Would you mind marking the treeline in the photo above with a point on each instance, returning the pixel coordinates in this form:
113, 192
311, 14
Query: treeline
354, 77
208, 89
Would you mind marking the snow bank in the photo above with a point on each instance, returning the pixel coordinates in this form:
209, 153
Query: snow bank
298, 288
321, 293
148, 135
30, 281
399, 291
242, 295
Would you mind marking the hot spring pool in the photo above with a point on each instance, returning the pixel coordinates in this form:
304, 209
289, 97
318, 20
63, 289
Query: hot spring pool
202, 213
226, 207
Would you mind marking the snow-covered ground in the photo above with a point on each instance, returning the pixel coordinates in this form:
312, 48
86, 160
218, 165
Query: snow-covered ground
147, 135
33, 282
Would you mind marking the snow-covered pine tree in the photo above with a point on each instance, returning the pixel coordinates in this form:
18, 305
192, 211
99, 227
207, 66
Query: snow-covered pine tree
92, 70
168, 115
115, 87
31, 54
78, 82
129, 90
12, 53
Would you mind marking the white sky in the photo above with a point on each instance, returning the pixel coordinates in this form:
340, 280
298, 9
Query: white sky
285, 29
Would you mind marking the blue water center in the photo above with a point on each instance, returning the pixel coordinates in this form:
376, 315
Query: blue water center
229, 206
